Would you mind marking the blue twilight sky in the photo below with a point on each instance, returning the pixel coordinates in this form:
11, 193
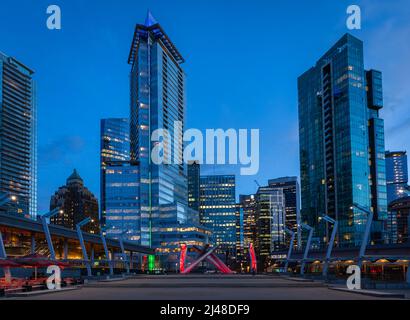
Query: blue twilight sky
242, 62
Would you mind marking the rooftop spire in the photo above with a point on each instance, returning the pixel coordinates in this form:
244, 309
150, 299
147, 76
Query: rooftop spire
150, 20
74, 178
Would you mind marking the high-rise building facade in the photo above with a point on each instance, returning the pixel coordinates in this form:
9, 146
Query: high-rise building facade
291, 193
75, 203
194, 174
158, 103
341, 144
121, 197
18, 136
114, 147
247, 204
218, 211
239, 233
377, 160
400, 213
397, 175
270, 222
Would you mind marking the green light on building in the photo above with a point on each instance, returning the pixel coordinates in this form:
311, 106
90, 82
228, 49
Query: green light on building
151, 263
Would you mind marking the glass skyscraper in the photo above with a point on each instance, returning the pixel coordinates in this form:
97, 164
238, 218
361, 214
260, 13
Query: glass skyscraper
247, 203
18, 136
270, 222
291, 193
342, 144
114, 147
194, 174
158, 102
121, 199
218, 211
397, 175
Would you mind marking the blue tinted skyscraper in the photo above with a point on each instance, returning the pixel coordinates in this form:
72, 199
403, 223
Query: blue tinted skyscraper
377, 160
341, 143
115, 139
121, 199
270, 222
18, 135
158, 102
114, 147
291, 194
218, 210
397, 175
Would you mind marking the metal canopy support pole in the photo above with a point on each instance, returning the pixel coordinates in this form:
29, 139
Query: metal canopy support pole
408, 273
65, 249
366, 234
83, 248
47, 231
330, 245
4, 199
33, 243
305, 255
92, 258
292, 240
127, 265
3, 254
107, 254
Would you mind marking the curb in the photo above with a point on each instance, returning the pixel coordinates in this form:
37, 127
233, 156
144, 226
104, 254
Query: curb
39, 293
371, 293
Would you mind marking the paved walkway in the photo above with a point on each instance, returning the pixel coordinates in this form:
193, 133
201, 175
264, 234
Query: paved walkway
204, 287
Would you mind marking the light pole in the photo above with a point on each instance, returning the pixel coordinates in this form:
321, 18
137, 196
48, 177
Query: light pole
366, 234
306, 253
83, 248
330, 245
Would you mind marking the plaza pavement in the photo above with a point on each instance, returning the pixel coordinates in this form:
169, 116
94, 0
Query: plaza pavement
204, 287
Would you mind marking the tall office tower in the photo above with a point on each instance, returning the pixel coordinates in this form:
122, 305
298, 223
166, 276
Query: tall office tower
239, 233
121, 198
194, 174
291, 192
400, 213
374, 89
397, 175
248, 206
76, 203
270, 222
194, 184
218, 211
339, 167
18, 136
158, 102
114, 147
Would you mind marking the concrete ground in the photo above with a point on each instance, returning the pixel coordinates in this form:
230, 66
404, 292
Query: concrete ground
203, 287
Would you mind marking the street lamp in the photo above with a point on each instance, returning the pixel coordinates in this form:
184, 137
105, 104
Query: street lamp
366, 234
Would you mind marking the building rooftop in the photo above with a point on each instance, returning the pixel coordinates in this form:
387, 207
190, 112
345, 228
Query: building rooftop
153, 28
